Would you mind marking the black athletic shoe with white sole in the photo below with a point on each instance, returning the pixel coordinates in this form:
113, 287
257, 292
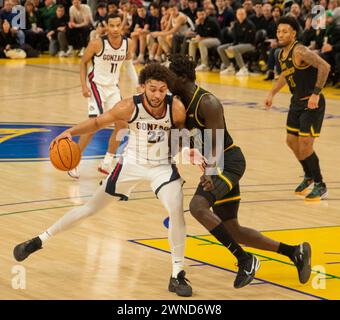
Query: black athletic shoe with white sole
23, 250
302, 260
180, 285
246, 270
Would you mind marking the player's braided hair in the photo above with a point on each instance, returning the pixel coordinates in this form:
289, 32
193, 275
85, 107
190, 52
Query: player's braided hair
155, 71
183, 66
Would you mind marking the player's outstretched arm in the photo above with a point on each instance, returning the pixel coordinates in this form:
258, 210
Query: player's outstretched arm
121, 112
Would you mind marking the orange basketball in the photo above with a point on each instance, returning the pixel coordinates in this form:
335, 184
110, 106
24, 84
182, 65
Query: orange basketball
65, 155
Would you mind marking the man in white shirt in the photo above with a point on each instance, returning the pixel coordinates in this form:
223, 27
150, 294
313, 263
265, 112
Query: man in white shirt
81, 21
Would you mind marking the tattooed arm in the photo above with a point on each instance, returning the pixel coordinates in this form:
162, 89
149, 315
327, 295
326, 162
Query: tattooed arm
303, 56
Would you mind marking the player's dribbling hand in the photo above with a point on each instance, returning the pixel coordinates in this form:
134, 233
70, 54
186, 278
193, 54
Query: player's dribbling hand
207, 183
86, 92
63, 135
313, 101
268, 102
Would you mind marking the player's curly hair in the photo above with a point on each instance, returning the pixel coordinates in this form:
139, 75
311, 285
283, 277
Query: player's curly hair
290, 20
155, 71
183, 66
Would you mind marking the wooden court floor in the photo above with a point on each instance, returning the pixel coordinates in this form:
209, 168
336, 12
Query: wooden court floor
122, 252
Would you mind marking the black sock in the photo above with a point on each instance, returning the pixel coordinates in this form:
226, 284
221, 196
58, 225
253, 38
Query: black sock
222, 235
308, 174
286, 250
313, 165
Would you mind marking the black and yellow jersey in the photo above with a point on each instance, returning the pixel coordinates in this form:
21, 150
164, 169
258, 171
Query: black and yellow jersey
300, 79
194, 121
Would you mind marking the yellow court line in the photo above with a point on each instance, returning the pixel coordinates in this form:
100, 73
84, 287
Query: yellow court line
276, 269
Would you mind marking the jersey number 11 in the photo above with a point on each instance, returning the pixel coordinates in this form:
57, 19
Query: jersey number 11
113, 67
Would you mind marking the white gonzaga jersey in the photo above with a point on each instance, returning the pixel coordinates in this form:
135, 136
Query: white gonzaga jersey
149, 136
106, 65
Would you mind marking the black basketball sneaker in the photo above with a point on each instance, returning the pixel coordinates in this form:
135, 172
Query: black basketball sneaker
302, 260
180, 285
23, 250
247, 268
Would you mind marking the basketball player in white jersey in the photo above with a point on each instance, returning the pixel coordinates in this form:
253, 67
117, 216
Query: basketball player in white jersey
149, 116
99, 76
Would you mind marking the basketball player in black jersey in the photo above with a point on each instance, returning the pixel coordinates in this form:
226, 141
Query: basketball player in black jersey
221, 191
306, 74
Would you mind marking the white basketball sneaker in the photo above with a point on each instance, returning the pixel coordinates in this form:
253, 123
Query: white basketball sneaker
74, 173
108, 164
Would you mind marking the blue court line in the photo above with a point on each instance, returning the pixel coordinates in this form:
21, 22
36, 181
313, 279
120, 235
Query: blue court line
234, 272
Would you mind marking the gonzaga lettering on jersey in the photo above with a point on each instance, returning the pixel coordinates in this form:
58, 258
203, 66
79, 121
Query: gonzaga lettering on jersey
149, 136
106, 66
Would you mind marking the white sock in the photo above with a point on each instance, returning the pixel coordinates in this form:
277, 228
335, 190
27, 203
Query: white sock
177, 267
44, 236
171, 196
108, 157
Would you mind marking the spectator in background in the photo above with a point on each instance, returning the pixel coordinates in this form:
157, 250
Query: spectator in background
177, 28
10, 47
336, 12
330, 50
8, 15
112, 7
209, 8
273, 51
234, 4
130, 17
38, 4
155, 25
183, 4
208, 34
224, 14
8, 42
306, 8
34, 35
243, 32
248, 6
81, 22
295, 11
191, 10
46, 14
101, 12
257, 18
58, 34
165, 19
268, 21
99, 21
138, 36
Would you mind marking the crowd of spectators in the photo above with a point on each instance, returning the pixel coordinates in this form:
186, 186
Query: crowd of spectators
235, 36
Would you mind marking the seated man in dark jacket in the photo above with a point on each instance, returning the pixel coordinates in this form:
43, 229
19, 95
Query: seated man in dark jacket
243, 33
208, 36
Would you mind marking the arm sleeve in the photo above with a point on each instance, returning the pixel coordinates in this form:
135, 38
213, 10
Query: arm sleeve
131, 71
